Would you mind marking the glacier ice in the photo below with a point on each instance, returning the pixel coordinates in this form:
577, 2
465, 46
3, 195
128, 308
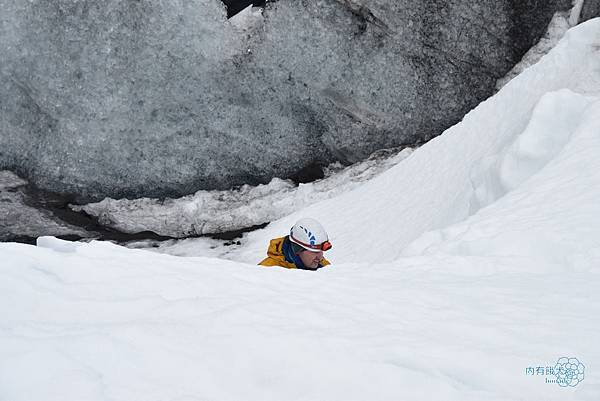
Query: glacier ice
158, 99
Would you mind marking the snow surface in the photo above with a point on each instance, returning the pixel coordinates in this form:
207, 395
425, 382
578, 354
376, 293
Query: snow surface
453, 272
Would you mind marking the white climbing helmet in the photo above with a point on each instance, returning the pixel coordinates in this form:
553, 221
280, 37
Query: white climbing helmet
310, 235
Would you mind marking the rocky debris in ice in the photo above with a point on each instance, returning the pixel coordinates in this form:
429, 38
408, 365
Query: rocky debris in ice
21, 220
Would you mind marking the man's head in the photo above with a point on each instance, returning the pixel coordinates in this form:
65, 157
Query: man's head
309, 241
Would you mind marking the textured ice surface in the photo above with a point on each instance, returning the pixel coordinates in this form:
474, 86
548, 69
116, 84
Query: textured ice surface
154, 98
209, 212
248, 18
560, 23
590, 9
511, 285
19, 219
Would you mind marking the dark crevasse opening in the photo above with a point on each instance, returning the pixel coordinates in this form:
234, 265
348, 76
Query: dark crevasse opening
235, 6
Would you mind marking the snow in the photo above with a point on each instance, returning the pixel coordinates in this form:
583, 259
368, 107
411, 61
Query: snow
210, 212
454, 271
540, 212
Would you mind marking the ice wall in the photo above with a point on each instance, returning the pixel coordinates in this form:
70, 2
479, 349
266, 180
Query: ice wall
156, 98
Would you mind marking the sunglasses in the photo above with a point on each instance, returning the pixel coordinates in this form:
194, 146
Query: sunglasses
326, 246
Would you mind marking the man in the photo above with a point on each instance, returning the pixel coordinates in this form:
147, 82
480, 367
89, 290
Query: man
302, 249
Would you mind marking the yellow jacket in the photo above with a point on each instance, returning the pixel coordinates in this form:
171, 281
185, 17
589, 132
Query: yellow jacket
275, 256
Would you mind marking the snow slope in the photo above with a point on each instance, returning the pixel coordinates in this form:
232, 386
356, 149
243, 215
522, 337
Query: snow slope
470, 261
438, 185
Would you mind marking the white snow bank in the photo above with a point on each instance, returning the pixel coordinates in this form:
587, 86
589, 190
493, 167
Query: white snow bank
551, 177
97, 321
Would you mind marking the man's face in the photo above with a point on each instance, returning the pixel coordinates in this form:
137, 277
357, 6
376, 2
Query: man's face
311, 259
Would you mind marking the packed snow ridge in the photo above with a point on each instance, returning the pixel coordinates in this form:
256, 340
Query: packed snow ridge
454, 271
212, 212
